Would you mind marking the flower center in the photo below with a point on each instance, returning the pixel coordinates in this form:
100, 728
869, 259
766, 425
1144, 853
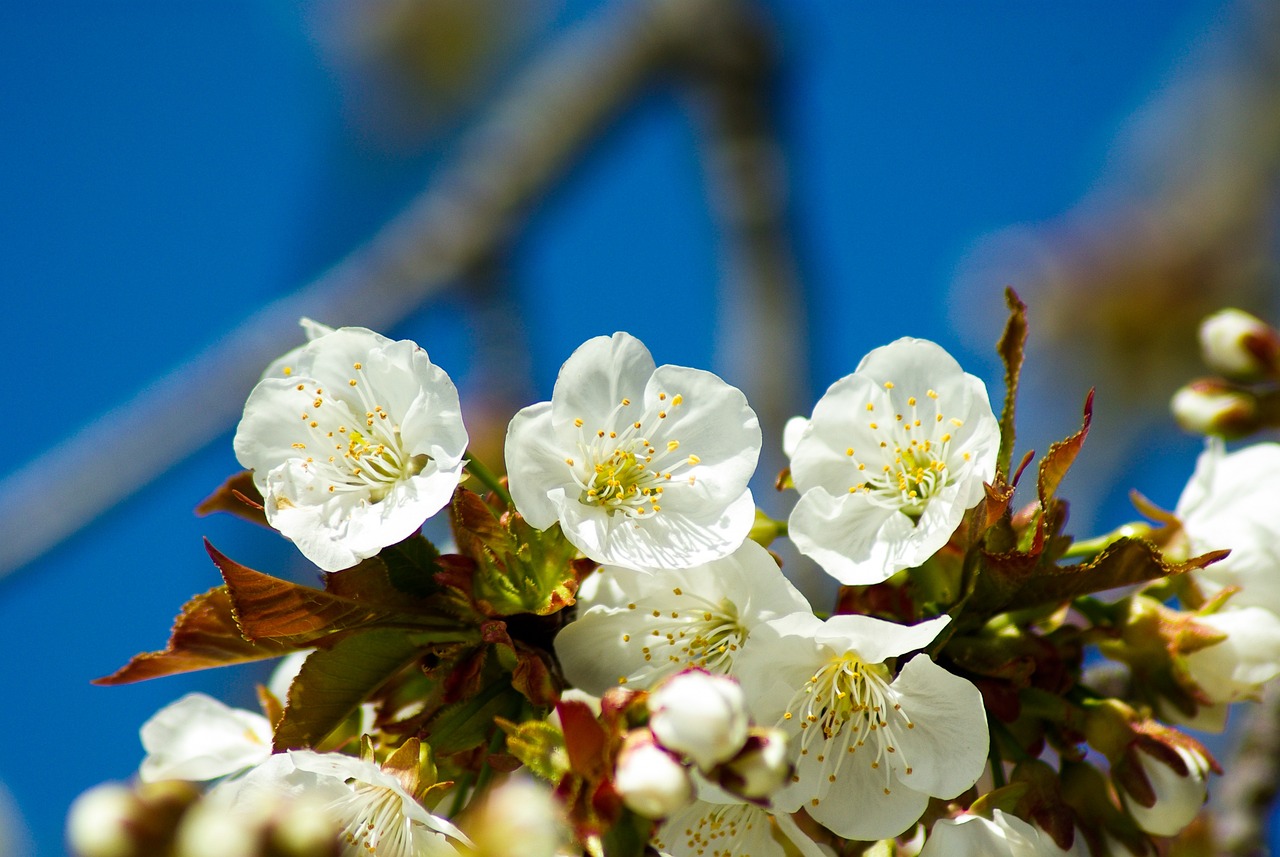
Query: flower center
352, 442
910, 460
696, 633
626, 467
849, 704
719, 832
374, 820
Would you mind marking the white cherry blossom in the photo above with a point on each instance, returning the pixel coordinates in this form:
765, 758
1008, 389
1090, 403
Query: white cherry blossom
1179, 794
702, 717
353, 443
893, 457
370, 810
870, 748
720, 825
640, 627
644, 467
1234, 668
1230, 502
1003, 835
198, 738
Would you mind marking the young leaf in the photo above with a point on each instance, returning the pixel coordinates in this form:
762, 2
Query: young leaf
1011, 347
333, 682
267, 607
1054, 466
204, 635
237, 496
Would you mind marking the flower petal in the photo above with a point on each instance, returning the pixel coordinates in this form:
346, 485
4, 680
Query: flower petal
947, 748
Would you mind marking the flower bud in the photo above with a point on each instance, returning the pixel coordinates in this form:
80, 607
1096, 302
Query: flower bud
1212, 407
760, 769
1240, 346
1174, 776
699, 715
520, 818
650, 780
99, 822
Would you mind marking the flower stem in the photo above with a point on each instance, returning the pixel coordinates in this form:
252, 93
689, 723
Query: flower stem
1090, 548
486, 478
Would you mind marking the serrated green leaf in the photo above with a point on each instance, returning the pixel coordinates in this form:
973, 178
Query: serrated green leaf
204, 635
539, 746
468, 724
333, 682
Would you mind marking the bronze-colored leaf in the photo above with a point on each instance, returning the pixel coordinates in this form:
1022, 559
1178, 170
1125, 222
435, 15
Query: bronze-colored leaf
333, 682
1054, 466
237, 496
204, 635
1011, 347
1124, 563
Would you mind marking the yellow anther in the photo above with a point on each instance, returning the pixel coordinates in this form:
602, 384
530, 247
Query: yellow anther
678, 399
626, 402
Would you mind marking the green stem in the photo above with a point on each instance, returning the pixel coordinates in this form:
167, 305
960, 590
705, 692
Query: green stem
486, 478
1089, 548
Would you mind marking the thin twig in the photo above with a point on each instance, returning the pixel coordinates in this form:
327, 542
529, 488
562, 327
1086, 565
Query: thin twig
505, 163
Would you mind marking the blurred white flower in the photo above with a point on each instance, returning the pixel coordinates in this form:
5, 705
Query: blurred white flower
1236, 667
1179, 786
369, 809
893, 457
1230, 502
718, 825
520, 818
198, 738
353, 444
639, 627
1003, 835
870, 749
1239, 345
643, 467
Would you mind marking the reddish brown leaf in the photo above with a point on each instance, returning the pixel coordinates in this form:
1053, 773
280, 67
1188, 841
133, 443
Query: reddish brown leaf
1061, 455
237, 496
267, 606
204, 635
1011, 347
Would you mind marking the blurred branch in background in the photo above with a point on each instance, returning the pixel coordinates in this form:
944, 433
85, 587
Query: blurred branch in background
465, 217
1186, 225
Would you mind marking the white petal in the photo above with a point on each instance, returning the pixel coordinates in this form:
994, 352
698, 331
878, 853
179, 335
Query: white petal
599, 375
947, 749
856, 805
199, 738
536, 464
1240, 664
876, 640
854, 540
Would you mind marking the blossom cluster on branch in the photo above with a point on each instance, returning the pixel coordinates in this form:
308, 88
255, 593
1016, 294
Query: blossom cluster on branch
608, 659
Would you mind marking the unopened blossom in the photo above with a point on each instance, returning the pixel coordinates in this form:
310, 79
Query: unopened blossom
1239, 345
198, 738
1003, 835
870, 748
370, 811
1236, 667
890, 461
643, 467
652, 782
1230, 502
520, 818
761, 768
353, 444
1211, 406
701, 716
639, 627
1178, 786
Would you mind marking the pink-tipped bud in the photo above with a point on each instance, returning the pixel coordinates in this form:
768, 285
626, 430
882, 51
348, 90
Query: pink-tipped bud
650, 780
1212, 407
1240, 346
699, 716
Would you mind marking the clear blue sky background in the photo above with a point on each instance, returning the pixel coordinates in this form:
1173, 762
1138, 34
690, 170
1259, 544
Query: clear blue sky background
166, 168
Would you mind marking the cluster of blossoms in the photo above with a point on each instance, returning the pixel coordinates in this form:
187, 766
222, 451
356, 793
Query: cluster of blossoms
609, 659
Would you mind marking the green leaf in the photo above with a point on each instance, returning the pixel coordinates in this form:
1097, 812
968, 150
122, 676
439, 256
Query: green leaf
333, 682
469, 723
204, 635
539, 746
237, 496
1011, 346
